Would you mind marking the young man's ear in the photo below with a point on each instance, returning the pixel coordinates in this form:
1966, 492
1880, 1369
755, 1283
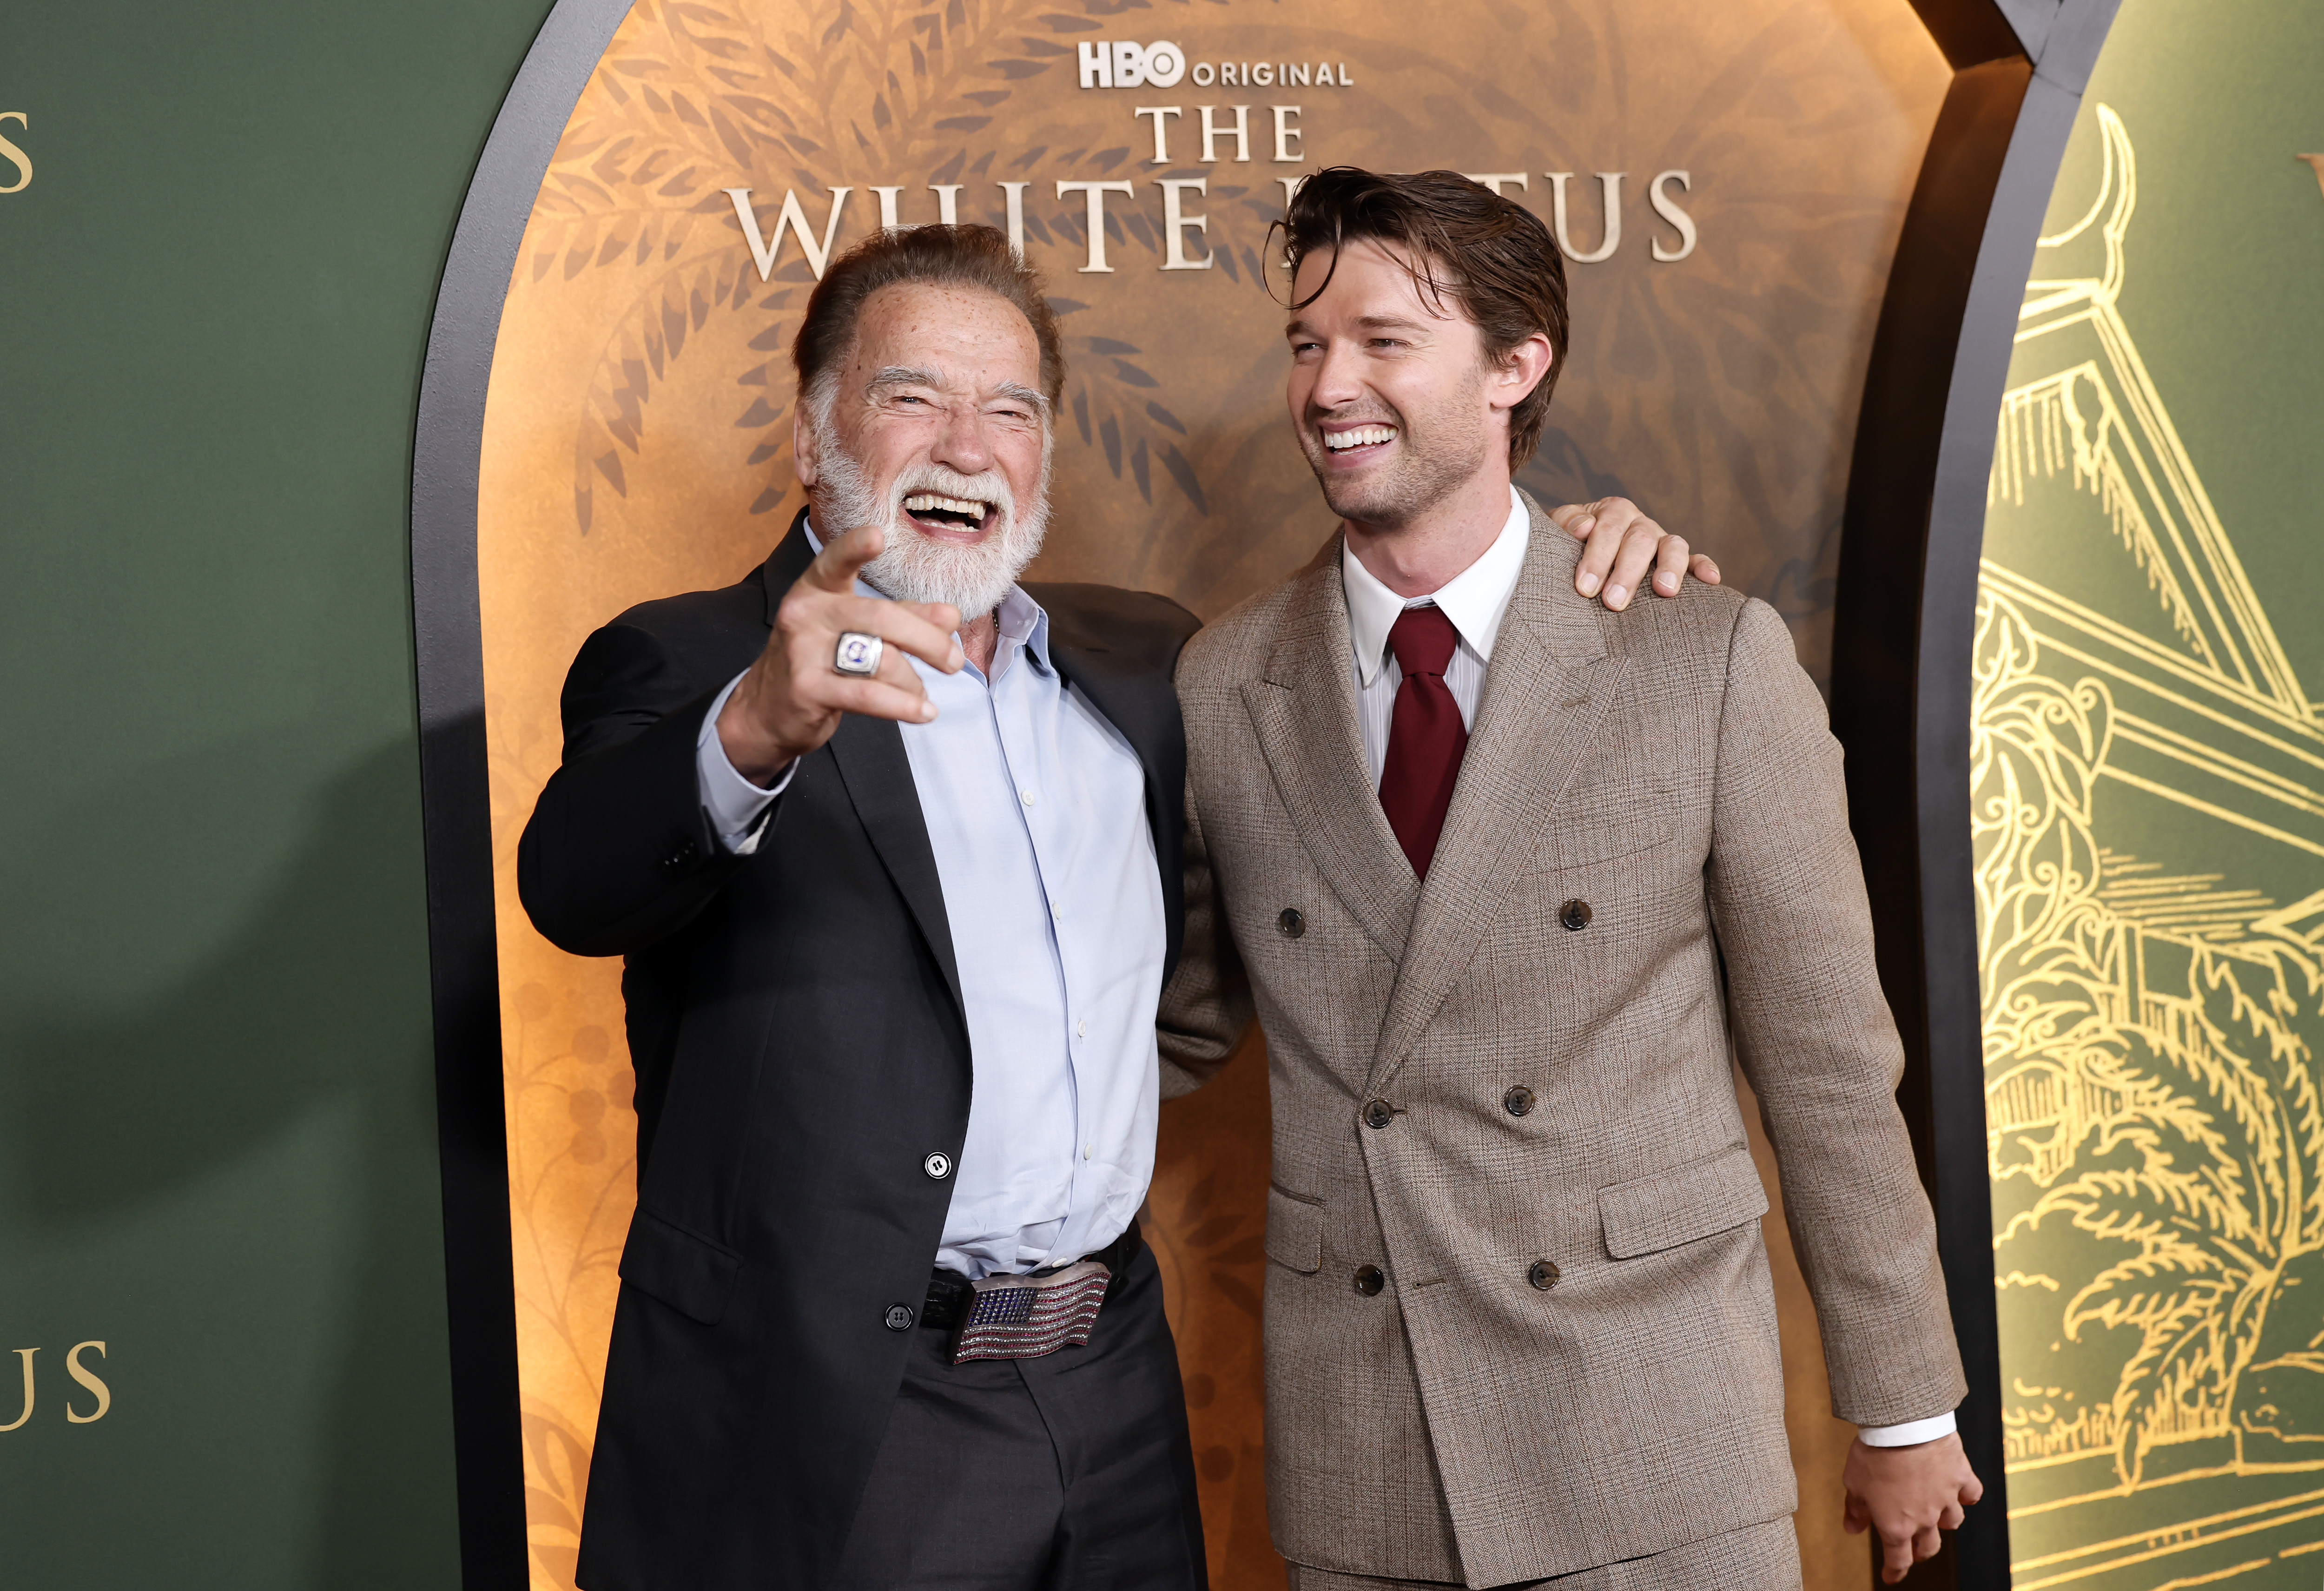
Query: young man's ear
1522, 369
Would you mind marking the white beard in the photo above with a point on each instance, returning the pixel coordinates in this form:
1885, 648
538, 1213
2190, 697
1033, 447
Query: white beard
915, 568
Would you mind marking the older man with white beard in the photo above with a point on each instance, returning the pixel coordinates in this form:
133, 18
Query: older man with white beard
891, 845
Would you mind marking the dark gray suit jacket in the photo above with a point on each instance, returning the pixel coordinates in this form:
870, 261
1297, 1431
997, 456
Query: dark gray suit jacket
795, 1019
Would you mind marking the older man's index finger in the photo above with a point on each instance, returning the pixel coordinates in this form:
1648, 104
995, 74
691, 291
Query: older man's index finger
843, 558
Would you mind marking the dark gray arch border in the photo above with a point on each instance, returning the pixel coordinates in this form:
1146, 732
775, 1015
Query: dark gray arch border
488, 1438
1913, 528
1905, 622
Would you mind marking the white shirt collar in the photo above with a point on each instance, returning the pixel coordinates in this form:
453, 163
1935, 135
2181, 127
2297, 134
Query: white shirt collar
1474, 600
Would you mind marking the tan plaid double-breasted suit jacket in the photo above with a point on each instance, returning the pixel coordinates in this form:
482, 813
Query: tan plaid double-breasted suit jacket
1525, 1121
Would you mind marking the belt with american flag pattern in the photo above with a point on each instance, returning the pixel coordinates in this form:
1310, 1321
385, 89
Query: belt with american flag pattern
1028, 1316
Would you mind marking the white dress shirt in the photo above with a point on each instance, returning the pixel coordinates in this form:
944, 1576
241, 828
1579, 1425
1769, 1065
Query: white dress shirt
1035, 812
1475, 600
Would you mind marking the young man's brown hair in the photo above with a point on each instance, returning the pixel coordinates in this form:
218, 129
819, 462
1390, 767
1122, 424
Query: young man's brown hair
1490, 255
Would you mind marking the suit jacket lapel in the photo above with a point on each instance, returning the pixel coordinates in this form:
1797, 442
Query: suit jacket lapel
1304, 709
869, 752
878, 777
1546, 691
1144, 706
785, 564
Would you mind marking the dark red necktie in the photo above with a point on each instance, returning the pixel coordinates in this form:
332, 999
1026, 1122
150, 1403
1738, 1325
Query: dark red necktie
1426, 736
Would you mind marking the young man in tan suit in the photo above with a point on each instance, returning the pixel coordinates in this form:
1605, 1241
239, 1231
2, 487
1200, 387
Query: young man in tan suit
1507, 874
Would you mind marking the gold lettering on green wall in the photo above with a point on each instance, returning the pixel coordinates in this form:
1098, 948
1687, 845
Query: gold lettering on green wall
16, 157
25, 1355
90, 1379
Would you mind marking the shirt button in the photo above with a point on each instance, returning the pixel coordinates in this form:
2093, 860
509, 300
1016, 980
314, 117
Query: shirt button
1575, 915
1379, 1114
899, 1318
1089, 1152
1369, 1280
1081, 1030
938, 1164
1028, 796
1518, 1101
1542, 1274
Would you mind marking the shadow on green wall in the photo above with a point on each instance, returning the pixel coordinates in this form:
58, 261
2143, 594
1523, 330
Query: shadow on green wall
309, 1019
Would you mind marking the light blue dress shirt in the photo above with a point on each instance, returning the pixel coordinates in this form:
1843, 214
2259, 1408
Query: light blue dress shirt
1035, 810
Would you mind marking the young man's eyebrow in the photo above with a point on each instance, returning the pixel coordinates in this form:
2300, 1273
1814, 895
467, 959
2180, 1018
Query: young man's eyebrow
1369, 322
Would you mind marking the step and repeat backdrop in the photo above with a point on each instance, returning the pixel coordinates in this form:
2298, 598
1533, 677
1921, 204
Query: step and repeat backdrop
241, 1342
2149, 823
1728, 184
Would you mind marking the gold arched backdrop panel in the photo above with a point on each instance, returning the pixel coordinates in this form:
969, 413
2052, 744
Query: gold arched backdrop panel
1730, 180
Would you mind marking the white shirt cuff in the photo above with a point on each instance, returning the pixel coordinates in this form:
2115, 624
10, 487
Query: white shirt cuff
1912, 1433
734, 803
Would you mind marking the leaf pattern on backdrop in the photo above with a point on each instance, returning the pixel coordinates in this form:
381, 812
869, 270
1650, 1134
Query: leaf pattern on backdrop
691, 99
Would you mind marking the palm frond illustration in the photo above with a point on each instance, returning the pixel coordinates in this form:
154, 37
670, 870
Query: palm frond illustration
2154, 1085
835, 119
2150, 1039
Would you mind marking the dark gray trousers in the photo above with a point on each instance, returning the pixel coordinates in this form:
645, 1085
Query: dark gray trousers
1071, 1472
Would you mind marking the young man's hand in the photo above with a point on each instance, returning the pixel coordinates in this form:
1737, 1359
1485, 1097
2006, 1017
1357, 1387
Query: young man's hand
1620, 544
1907, 1494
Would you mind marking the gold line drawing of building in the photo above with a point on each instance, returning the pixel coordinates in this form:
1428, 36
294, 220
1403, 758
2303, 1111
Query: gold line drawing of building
2148, 818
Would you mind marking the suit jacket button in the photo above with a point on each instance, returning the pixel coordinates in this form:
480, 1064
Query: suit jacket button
1542, 1274
1575, 915
899, 1318
938, 1164
1369, 1280
1379, 1114
1292, 924
1518, 1101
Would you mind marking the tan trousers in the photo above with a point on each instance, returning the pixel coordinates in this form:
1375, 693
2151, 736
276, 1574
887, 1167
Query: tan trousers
1758, 1558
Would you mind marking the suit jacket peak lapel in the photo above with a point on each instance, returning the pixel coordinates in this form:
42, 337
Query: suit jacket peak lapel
1545, 692
1143, 706
1315, 613
1303, 709
869, 753
786, 564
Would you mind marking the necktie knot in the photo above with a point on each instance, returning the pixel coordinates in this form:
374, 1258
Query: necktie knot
1423, 639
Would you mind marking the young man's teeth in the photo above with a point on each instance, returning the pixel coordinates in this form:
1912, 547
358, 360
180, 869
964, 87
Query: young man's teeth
924, 501
1360, 437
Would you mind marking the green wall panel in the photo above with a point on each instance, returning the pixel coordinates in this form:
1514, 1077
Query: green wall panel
2149, 807
216, 1117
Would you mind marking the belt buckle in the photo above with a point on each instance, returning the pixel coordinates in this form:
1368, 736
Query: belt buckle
1029, 1317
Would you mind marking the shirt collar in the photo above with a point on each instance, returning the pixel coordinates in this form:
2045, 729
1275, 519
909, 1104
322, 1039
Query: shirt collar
1475, 599
1022, 622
